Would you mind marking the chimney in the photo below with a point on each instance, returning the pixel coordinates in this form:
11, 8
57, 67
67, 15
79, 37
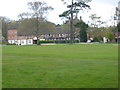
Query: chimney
80, 18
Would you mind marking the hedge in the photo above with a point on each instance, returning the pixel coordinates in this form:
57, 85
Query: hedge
58, 41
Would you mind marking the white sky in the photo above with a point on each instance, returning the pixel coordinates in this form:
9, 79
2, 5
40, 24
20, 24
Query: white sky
103, 8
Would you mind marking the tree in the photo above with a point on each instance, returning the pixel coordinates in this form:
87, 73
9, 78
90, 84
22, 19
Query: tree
1, 37
83, 27
27, 27
110, 33
118, 27
110, 36
74, 8
47, 28
38, 10
24, 15
5, 23
65, 28
97, 30
95, 20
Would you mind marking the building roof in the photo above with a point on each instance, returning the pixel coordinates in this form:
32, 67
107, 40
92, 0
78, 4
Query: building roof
12, 27
119, 5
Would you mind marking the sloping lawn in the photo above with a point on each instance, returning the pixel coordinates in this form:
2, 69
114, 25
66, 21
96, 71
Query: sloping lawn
61, 66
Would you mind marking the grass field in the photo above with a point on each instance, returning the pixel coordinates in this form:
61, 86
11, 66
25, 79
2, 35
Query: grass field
61, 66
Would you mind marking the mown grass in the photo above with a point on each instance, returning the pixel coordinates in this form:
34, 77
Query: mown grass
61, 66
0, 66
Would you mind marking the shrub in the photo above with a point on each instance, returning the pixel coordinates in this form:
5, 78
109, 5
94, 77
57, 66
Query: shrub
5, 42
58, 41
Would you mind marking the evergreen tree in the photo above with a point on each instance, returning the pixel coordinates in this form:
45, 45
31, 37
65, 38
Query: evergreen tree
72, 13
118, 27
83, 27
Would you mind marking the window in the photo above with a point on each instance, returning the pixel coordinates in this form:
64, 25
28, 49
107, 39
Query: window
15, 41
29, 41
15, 37
15, 32
22, 42
10, 37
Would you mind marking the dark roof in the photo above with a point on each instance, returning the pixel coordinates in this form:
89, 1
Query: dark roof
13, 27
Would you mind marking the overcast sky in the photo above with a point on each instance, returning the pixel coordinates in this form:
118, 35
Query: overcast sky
103, 8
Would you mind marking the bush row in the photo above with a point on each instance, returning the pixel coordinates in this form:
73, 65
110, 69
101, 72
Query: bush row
58, 41
6, 43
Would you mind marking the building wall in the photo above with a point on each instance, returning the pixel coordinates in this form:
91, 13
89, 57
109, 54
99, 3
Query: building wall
21, 42
26, 40
12, 34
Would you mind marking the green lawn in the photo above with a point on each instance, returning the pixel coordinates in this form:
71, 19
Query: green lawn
60, 66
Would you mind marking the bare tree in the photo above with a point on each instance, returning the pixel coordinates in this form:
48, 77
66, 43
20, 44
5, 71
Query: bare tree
37, 11
24, 15
94, 19
5, 24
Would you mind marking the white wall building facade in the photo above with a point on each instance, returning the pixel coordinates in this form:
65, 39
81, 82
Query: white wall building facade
21, 42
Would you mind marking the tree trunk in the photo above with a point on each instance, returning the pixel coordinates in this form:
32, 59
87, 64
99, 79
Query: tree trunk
38, 42
71, 25
37, 31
